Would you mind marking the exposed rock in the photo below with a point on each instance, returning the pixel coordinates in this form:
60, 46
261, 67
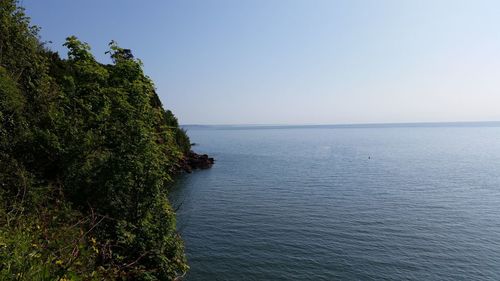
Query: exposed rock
194, 161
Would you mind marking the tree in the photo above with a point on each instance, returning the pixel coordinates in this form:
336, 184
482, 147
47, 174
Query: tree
88, 150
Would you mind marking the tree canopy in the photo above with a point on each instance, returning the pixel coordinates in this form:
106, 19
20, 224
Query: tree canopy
86, 155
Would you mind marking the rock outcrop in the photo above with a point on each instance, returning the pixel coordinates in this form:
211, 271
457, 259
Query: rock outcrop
193, 161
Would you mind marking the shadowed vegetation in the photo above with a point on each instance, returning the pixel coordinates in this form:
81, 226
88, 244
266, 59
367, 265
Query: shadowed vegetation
86, 153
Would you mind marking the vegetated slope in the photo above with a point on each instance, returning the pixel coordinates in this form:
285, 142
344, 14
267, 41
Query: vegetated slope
86, 153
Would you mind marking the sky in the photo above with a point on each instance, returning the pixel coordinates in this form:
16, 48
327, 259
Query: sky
299, 61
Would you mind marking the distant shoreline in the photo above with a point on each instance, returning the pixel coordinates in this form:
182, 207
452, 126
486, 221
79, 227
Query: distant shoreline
349, 126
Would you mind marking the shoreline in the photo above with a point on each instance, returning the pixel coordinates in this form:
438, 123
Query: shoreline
193, 161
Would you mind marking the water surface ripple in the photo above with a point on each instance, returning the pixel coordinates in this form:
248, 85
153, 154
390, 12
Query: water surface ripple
382, 203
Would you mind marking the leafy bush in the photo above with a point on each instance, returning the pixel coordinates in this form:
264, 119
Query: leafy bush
86, 154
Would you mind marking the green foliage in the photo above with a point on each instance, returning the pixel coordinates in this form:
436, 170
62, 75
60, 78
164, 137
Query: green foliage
86, 154
12, 124
47, 243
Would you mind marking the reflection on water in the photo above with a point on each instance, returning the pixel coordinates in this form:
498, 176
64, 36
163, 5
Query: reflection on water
330, 203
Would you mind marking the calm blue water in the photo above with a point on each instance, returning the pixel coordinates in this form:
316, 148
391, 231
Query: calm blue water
336, 203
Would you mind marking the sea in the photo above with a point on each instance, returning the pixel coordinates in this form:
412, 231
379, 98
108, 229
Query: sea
343, 202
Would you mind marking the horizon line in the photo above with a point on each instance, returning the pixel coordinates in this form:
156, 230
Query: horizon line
346, 124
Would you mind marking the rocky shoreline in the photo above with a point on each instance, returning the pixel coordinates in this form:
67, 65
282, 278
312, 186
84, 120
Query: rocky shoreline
193, 161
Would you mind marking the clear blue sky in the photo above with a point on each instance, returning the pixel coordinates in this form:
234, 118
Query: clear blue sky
300, 62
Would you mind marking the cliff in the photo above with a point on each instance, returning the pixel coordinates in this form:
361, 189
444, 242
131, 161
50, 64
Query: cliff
87, 152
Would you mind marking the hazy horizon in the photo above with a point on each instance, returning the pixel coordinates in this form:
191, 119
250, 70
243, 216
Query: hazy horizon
493, 123
299, 62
